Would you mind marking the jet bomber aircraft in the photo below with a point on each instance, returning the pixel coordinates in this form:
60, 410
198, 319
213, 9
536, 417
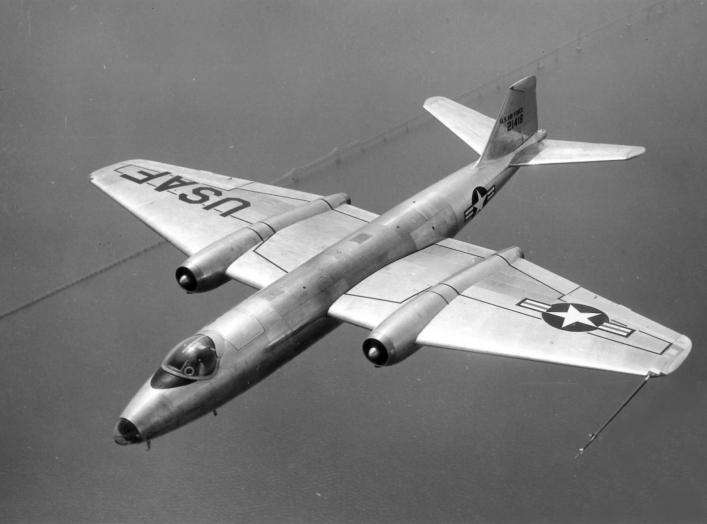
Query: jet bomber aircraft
318, 261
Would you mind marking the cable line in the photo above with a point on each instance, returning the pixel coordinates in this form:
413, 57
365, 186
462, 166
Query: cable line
83, 278
358, 147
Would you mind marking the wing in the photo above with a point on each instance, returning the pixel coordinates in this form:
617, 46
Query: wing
193, 208
565, 152
521, 311
294, 245
472, 127
376, 297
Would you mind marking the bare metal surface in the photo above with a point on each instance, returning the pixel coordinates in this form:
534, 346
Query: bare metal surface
500, 305
446, 436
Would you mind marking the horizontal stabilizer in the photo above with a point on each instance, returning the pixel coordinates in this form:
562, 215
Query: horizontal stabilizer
472, 127
565, 152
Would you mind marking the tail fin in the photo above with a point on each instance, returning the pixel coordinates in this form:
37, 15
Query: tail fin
517, 121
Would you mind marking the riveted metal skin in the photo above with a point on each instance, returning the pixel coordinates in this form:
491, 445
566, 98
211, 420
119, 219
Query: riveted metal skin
476, 301
206, 270
278, 322
394, 338
154, 412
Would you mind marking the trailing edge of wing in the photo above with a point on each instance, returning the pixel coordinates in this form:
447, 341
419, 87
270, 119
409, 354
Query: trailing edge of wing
189, 207
520, 311
193, 208
566, 152
472, 127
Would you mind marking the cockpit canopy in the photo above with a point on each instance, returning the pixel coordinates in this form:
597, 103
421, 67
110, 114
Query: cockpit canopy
193, 358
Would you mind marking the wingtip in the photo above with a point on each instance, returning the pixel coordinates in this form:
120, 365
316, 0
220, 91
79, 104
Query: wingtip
635, 151
677, 352
433, 100
684, 343
100, 174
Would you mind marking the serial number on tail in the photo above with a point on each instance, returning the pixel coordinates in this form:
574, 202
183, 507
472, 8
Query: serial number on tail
512, 120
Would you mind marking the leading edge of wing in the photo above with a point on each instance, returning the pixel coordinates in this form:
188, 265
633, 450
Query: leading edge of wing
525, 311
373, 299
475, 325
192, 208
520, 311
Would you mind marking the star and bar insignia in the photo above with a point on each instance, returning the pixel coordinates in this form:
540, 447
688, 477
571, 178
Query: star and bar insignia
479, 198
576, 317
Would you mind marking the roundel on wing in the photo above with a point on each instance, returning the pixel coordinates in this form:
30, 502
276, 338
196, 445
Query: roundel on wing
574, 317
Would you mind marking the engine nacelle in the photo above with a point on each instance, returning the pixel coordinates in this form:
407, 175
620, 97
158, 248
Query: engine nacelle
394, 339
206, 269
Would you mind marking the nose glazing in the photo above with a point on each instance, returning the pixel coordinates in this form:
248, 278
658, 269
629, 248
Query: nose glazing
126, 433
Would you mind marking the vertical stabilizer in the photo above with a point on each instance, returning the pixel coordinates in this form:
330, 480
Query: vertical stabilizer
517, 121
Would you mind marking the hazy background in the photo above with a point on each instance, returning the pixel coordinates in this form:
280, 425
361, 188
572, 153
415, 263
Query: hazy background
253, 89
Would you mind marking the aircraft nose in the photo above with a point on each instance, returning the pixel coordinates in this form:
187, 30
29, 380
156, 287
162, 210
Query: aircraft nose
126, 433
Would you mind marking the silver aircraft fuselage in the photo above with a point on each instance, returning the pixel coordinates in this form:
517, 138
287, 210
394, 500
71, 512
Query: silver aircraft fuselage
280, 321
550, 323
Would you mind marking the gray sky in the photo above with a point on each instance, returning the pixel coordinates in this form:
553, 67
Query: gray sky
253, 89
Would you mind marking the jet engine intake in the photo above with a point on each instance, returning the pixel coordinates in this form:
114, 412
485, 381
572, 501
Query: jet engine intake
206, 269
393, 340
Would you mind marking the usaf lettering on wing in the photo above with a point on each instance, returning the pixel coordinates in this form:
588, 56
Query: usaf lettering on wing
200, 194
